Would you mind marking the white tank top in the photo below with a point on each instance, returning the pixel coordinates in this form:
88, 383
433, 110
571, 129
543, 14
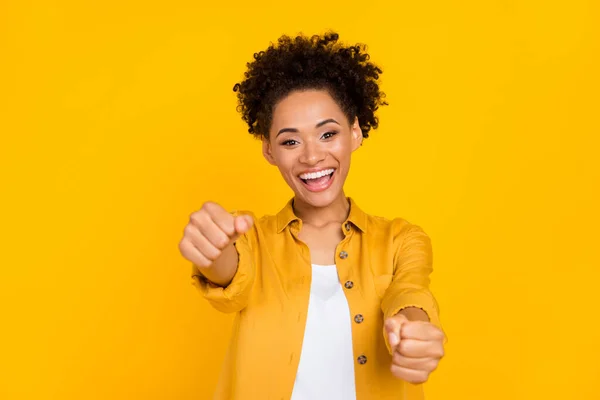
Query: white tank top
326, 368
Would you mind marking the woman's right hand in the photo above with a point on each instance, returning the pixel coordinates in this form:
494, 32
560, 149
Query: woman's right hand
208, 240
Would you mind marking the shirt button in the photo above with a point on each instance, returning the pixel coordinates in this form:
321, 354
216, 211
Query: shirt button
343, 255
358, 318
362, 359
349, 284
347, 226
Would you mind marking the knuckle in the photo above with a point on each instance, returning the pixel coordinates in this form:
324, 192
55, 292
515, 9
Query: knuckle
182, 247
208, 206
431, 365
212, 255
403, 347
222, 242
217, 254
229, 225
187, 231
440, 353
203, 263
196, 217
207, 260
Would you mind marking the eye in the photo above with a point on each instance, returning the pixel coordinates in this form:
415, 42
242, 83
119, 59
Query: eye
329, 135
290, 142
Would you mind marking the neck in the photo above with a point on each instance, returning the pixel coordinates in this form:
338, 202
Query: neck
337, 211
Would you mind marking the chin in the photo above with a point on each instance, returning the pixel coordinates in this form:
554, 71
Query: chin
319, 200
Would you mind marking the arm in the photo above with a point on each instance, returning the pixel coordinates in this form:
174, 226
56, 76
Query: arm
233, 297
221, 272
219, 245
412, 328
409, 292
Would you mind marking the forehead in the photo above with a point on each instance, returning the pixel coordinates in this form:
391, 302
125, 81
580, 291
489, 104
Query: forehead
303, 109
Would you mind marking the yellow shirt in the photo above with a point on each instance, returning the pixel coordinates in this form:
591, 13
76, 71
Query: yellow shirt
383, 265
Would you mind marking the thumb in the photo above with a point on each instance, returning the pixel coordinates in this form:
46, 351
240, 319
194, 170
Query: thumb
242, 224
393, 326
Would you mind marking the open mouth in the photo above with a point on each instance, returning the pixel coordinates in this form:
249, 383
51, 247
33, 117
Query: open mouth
318, 181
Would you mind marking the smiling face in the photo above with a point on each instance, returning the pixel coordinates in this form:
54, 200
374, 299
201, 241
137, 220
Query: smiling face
311, 142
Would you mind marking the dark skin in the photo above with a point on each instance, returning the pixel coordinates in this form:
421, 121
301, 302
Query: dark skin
310, 133
300, 139
417, 344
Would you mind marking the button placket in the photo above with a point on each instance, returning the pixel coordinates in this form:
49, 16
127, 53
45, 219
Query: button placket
358, 318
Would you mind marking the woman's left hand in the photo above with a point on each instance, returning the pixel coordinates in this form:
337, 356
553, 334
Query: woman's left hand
418, 347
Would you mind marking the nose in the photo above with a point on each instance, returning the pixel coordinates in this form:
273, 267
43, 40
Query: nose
312, 153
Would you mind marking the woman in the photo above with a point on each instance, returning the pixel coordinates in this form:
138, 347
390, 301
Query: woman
331, 303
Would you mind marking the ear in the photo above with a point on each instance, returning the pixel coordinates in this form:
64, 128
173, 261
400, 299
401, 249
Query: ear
267, 151
357, 135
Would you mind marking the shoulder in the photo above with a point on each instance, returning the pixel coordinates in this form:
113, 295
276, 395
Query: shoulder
398, 229
396, 225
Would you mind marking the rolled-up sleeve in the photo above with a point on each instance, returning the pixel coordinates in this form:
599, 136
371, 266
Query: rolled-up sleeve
234, 297
413, 264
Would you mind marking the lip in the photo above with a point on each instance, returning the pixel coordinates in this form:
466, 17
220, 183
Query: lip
319, 188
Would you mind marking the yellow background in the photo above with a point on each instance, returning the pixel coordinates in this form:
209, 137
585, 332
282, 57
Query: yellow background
118, 120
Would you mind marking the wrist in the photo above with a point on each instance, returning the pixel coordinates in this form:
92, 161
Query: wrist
414, 314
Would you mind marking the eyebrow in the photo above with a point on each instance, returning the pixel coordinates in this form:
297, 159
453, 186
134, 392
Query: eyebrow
294, 130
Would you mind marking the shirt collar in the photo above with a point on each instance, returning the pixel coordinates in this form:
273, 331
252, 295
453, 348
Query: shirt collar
356, 216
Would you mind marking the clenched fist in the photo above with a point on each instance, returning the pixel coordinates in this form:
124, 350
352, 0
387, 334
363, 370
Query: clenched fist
208, 240
418, 347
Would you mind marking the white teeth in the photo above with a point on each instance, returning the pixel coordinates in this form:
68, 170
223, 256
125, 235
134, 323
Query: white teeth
315, 175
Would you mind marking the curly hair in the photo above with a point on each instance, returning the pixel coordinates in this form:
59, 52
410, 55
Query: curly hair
303, 63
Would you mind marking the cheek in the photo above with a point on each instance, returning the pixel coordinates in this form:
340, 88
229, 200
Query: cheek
342, 151
285, 162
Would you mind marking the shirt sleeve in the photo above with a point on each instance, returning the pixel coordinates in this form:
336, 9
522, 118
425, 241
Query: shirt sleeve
234, 297
413, 264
